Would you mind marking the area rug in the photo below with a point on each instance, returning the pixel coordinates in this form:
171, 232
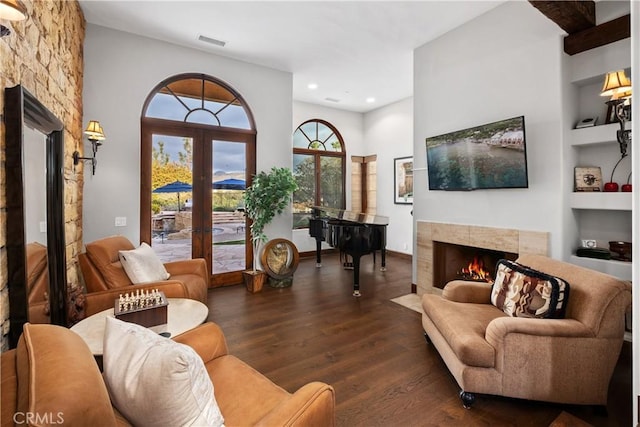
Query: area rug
410, 301
565, 419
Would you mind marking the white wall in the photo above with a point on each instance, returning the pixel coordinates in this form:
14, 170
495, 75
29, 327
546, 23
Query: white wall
349, 124
635, 126
120, 71
388, 132
504, 63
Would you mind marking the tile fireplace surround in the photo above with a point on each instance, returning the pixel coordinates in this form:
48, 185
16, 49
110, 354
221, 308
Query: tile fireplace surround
498, 239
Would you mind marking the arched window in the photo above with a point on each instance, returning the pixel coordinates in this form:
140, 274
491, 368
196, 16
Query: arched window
196, 98
319, 168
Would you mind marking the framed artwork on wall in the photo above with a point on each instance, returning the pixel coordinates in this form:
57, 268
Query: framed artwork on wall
403, 180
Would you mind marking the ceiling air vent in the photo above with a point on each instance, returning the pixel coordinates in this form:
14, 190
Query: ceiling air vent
212, 41
332, 99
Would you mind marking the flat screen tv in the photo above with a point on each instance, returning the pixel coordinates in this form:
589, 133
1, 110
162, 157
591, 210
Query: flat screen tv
488, 156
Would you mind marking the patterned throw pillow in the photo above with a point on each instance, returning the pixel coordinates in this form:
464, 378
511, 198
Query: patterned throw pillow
521, 291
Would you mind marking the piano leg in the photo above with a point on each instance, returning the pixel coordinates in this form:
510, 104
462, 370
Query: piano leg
318, 253
356, 276
384, 261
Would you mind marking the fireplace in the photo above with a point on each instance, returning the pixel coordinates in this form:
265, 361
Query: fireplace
498, 242
459, 262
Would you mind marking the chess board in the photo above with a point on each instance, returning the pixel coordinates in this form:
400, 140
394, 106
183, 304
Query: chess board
143, 308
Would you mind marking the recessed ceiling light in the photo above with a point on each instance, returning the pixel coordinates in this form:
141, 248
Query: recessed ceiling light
312, 86
212, 41
370, 99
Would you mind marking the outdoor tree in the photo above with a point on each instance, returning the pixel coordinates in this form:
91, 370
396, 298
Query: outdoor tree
165, 170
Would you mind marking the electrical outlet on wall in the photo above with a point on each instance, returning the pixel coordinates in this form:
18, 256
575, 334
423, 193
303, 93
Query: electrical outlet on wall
121, 221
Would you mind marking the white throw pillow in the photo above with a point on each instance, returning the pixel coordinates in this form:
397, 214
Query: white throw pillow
155, 381
142, 265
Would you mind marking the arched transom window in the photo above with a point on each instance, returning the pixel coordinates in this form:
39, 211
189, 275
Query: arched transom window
199, 99
319, 168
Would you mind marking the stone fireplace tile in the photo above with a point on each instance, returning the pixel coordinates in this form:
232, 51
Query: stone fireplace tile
451, 233
495, 239
534, 242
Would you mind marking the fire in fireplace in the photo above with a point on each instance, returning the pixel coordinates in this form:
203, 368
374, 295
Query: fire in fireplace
476, 271
459, 262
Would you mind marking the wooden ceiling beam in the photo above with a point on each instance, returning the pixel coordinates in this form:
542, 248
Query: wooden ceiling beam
600, 35
572, 16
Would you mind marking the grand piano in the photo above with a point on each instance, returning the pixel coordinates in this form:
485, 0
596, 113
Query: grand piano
353, 233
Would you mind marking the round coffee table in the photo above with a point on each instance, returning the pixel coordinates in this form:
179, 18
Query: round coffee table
182, 315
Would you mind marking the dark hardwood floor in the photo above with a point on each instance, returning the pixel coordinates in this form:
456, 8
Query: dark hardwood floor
372, 351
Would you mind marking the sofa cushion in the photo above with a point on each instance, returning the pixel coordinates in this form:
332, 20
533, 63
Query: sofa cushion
154, 380
142, 265
463, 326
521, 291
58, 378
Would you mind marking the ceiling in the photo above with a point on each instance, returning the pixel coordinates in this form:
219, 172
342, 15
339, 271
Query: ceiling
352, 50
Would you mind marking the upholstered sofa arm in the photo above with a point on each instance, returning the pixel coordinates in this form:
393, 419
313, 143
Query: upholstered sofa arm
467, 291
312, 405
102, 300
188, 266
539, 355
207, 340
499, 329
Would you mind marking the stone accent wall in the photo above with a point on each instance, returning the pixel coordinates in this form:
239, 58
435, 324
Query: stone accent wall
44, 53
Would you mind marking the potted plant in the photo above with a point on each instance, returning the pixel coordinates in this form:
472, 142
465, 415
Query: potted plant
269, 193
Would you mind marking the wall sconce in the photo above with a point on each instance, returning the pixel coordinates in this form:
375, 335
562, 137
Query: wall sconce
95, 135
11, 10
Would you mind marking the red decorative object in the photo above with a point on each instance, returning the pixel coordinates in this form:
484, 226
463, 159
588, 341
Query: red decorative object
627, 188
611, 187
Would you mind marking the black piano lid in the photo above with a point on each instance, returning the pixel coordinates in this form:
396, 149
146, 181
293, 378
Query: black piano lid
358, 217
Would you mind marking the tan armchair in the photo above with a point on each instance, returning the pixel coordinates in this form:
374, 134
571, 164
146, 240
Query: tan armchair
105, 277
568, 360
31, 384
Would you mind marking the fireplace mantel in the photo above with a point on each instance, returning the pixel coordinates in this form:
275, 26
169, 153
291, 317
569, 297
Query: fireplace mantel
499, 239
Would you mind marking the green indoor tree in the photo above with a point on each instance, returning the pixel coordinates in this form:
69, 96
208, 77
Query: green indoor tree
269, 193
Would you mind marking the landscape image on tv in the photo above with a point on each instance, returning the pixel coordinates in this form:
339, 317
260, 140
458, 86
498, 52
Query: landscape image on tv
488, 156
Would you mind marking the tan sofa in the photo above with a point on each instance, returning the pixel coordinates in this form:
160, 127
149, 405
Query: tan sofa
568, 360
102, 271
66, 385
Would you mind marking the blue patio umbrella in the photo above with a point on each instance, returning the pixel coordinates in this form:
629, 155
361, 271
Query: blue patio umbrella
174, 187
229, 184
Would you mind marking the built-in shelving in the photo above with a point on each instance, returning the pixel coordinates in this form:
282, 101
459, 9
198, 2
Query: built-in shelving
601, 201
601, 216
593, 135
619, 269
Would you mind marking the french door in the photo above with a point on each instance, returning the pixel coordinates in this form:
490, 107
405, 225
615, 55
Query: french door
192, 195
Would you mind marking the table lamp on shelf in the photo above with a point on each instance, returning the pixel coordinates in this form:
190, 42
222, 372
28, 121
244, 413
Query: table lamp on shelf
618, 87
